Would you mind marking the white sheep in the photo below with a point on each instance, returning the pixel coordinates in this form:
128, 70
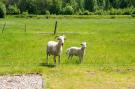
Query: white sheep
55, 48
77, 51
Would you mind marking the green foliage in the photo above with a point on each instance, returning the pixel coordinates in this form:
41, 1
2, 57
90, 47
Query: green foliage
2, 10
113, 7
127, 11
133, 12
47, 12
133, 15
13, 10
86, 12
28, 5
80, 12
54, 7
25, 14
90, 5
100, 12
68, 10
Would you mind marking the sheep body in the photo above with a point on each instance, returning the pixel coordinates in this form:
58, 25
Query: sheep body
55, 48
76, 51
52, 48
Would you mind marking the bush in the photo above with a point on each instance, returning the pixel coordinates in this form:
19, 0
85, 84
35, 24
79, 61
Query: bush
13, 10
91, 13
2, 10
99, 12
47, 12
133, 15
128, 11
25, 14
80, 12
133, 12
68, 10
119, 12
113, 11
86, 12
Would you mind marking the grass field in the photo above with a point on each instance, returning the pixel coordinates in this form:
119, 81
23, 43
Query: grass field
109, 62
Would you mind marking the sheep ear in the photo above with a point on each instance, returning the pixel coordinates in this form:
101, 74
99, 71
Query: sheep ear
63, 36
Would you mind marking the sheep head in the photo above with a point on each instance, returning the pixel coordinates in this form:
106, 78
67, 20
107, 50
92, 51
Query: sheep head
61, 39
83, 44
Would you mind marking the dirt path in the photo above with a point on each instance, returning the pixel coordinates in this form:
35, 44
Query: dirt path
28, 81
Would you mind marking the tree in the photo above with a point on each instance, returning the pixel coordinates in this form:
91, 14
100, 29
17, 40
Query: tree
13, 9
55, 7
90, 5
107, 5
101, 4
125, 3
28, 5
2, 10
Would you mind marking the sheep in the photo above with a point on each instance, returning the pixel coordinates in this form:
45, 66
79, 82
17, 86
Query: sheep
77, 51
55, 48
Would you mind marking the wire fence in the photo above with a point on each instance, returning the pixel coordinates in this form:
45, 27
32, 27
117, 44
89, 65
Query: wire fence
7, 27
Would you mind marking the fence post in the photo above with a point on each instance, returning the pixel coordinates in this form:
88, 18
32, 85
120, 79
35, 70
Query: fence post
55, 29
4, 27
25, 28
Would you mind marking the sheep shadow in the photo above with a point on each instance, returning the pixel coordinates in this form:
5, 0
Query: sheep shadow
48, 65
70, 61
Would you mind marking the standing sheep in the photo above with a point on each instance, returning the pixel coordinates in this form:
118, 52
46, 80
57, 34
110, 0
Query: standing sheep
55, 48
77, 51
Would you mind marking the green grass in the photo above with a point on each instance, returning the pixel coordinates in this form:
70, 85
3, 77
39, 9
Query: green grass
109, 61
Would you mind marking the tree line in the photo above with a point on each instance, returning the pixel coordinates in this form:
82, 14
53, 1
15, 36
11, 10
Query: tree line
69, 7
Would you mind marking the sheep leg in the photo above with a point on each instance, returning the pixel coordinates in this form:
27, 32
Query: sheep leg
80, 59
47, 59
69, 56
54, 59
59, 59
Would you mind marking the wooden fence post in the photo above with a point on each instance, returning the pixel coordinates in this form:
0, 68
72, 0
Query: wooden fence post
25, 28
55, 29
4, 27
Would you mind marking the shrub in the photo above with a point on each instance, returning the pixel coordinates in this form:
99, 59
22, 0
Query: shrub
25, 14
13, 10
126, 12
80, 12
47, 12
2, 10
133, 15
112, 11
133, 12
119, 12
86, 12
99, 12
91, 13
68, 10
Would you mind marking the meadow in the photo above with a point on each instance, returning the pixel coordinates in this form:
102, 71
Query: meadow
109, 62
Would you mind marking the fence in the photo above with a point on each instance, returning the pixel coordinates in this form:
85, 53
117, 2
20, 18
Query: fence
29, 27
